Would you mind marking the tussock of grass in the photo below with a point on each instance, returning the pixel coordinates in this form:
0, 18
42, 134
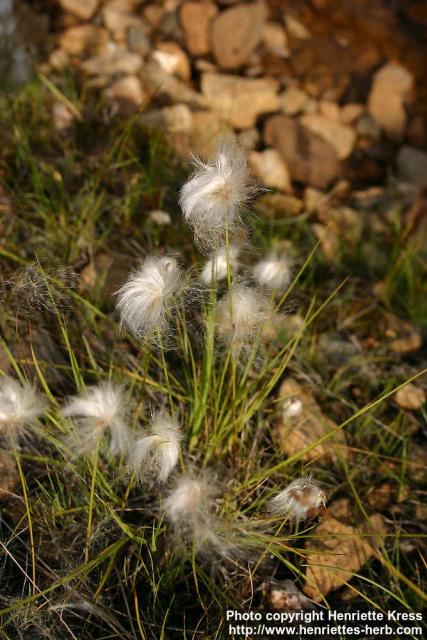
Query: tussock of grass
86, 555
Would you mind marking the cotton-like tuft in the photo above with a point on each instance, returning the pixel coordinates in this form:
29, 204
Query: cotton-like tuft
238, 321
20, 406
154, 456
213, 198
99, 410
273, 273
148, 299
190, 509
215, 268
303, 499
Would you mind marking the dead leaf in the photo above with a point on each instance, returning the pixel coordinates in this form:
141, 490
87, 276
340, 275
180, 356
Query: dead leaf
338, 551
410, 397
302, 423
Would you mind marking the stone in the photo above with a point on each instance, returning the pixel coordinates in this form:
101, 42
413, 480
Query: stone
296, 29
270, 168
175, 119
391, 87
59, 59
340, 136
239, 101
196, 19
274, 39
208, 130
310, 159
368, 127
313, 199
412, 166
278, 205
160, 218
118, 61
351, 112
249, 138
298, 433
153, 14
62, 117
138, 39
330, 110
173, 60
236, 33
85, 38
128, 94
118, 17
166, 86
82, 9
292, 101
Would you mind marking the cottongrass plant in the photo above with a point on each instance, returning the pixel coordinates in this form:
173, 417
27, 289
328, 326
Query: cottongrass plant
99, 410
273, 273
220, 265
20, 406
154, 455
213, 199
301, 500
148, 301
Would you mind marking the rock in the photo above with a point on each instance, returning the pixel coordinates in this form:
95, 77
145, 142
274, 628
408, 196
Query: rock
368, 127
270, 168
174, 119
391, 86
173, 60
404, 337
236, 33
239, 101
85, 38
208, 129
160, 83
313, 199
310, 159
335, 552
196, 18
119, 17
330, 110
249, 138
62, 117
412, 166
278, 205
138, 39
340, 136
284, 596
274, 39
153, 14
59, 59
296, 29
351, 112
161, 218
9, 478
128, 94
410, 397
118, 61
300, 433
82, 9
292, 101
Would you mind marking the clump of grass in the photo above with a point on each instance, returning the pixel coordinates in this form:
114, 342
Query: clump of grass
95, 556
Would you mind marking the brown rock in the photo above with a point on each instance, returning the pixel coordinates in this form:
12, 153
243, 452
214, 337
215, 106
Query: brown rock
128, 94
298, 431
330, 110
340, 136
410, 397
278, 205
85, 38
274, 39
236, 33
173, 60
351, 112
412, 166
162, 84
270, 168
207, 130
336, 552
112, 63
284, 596
239, 101
292, 101
391, 86
9, 478
82, 9
296, 29
119, 17
309, 157
196, 18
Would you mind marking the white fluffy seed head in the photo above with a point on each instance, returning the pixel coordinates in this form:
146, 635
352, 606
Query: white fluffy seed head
215, 269
303, 499
239, 320
190, 509
273, 273
20, 406
214, 196
154, 456
99, 410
